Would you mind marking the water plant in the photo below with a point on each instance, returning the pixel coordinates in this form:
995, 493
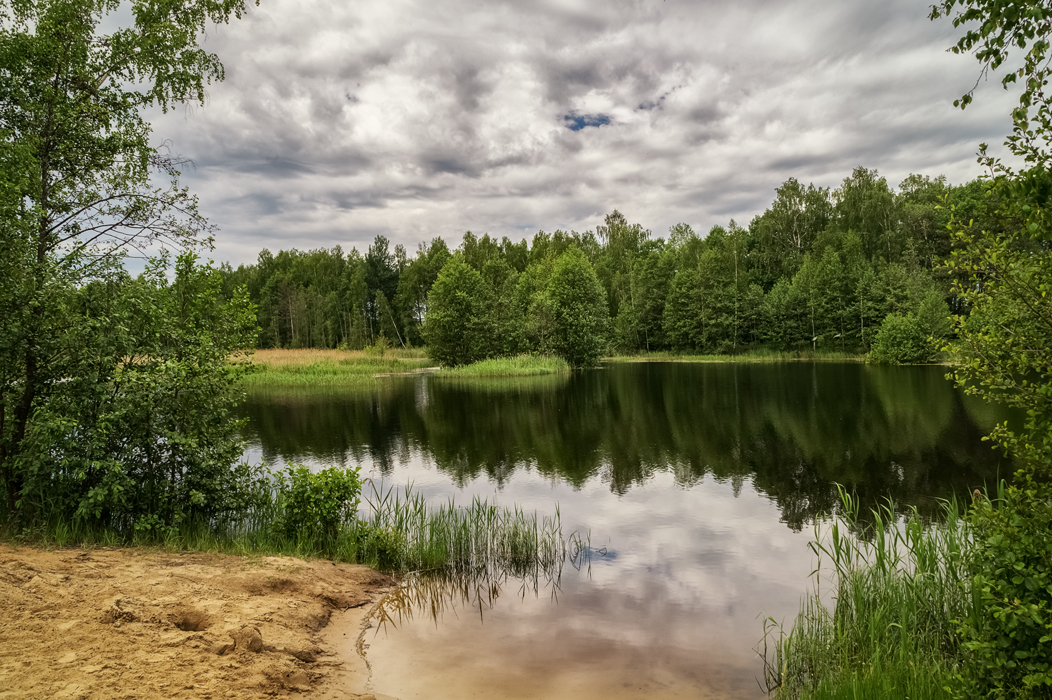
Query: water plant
887, 626
310, 514
517, 366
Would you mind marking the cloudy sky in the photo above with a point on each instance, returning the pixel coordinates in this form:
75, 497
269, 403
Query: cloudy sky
339, 120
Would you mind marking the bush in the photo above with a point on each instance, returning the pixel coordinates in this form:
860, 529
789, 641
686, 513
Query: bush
901, 340
1008, 631
136, 430
316, 504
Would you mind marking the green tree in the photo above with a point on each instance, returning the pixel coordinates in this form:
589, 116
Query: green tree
504, 318
455, 324
580, 314
76, 163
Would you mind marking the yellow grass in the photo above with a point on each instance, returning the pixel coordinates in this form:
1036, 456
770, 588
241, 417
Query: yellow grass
280, 357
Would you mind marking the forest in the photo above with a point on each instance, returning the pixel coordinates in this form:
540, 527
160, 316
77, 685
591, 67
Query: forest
820, 270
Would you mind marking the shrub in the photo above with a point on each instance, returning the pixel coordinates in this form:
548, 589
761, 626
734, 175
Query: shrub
901, 340
1008, 631
316, 504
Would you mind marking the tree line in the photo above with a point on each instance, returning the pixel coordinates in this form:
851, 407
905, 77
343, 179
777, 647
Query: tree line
819, 269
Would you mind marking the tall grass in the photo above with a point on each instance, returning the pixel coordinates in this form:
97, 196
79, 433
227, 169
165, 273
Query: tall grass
897, 586
294, 368
518, 366
398, 532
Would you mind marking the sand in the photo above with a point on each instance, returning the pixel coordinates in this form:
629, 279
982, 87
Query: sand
132, 623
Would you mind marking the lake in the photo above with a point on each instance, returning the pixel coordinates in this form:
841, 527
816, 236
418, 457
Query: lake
696, 486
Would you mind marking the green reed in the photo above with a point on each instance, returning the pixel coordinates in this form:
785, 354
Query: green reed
406, 533
885, 628
397, 532
518, 366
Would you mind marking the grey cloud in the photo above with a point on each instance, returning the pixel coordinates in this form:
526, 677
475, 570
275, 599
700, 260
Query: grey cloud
417, 119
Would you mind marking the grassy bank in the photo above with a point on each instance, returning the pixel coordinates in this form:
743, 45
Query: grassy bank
293, 368
745, 357
518, 366
289, 369
886, 626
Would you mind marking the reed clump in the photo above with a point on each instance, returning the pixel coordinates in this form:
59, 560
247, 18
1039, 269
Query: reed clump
517, 366
887, 627
414, 535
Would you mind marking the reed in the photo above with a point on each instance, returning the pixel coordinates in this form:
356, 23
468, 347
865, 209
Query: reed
398, 532
415, 535
896, 587
518, 366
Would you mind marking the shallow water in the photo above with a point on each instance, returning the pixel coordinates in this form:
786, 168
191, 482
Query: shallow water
698, 484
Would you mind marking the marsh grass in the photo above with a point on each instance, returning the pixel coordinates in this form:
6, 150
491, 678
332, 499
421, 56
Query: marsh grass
518, 366
449, 536
397, 532
886, 628
295, 368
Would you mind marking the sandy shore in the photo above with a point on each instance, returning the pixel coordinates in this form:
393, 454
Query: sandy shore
129, 623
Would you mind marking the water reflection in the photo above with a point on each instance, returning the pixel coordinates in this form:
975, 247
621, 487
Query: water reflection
688, 473
792, 430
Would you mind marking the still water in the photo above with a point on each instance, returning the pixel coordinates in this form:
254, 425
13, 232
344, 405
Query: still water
696, 484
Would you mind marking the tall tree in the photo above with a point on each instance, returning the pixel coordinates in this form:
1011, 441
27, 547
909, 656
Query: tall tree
581, 317
455, 325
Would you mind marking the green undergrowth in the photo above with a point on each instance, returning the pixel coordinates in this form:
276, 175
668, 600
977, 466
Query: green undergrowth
887, 625
394, 531
518, 366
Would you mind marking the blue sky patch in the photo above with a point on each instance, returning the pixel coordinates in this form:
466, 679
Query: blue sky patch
576, 122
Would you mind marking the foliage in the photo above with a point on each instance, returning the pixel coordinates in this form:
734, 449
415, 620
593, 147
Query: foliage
316, 503
901, 340
455, 327
580, 313
1008, 627
140, 431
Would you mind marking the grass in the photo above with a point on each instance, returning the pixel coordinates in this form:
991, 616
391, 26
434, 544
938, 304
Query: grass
896, 588
518, 366
744, 357
393, 532
286, 369
295, 368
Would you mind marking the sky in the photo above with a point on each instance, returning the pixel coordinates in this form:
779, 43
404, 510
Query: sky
341, 121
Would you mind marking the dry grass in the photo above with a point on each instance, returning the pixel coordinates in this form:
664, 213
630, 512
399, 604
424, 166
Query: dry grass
281, 358
302, 368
